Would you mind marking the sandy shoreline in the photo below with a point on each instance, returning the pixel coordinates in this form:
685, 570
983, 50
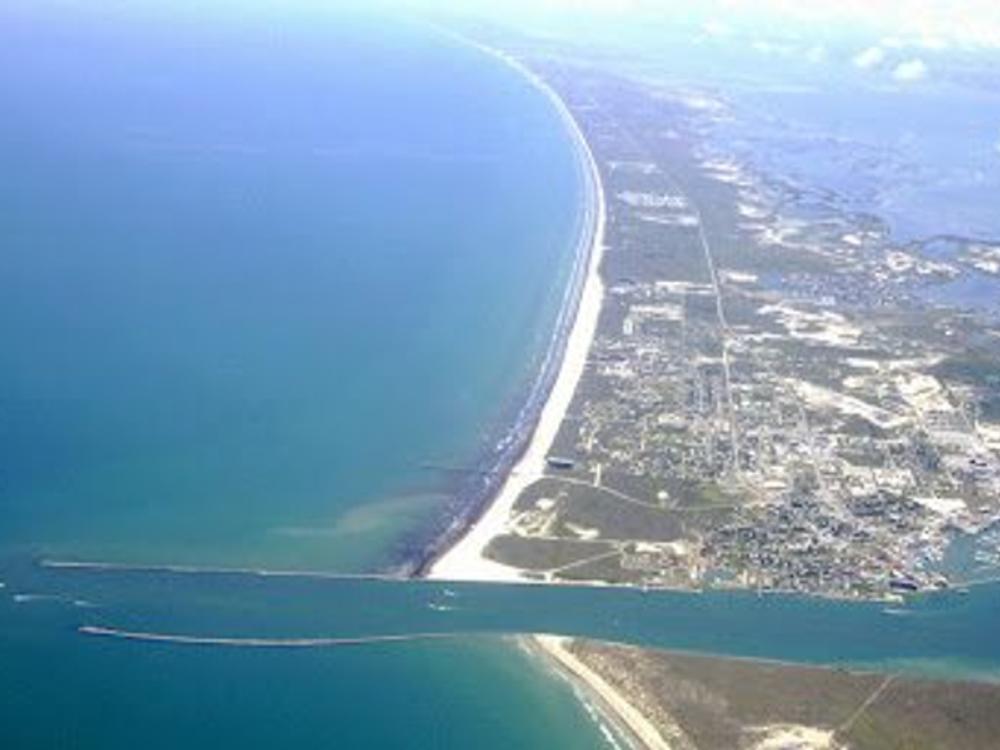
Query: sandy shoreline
609, 701
465, 561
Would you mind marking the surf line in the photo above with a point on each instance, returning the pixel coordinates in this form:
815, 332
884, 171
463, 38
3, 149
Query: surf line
230, 642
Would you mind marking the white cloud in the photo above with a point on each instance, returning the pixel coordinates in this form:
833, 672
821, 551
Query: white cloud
910, 70
712, 27
613, 7
816, 54
870, 58
921, 41
771, 48
928, 23
933, 43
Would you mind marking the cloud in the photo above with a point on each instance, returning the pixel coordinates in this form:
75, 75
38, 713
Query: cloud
771, 48
599, 6
870, 58
928, 24
712, 27
816, 54
933, 24
910, 70
933, 43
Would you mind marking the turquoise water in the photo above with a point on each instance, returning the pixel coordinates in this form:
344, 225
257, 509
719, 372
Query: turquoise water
948, 631
254, 271
466, 690
84, 693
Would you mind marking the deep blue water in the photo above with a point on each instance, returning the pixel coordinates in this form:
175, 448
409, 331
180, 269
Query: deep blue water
946, 631
254, 271
449, 692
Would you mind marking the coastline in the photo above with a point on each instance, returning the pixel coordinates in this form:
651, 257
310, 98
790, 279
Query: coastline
661, 698
608, 701
464, 560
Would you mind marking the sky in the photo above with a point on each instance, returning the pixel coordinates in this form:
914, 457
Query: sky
889, 42
931, 23
938, 22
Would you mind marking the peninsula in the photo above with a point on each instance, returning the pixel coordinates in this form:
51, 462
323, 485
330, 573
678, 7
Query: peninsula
566, 361
753, 392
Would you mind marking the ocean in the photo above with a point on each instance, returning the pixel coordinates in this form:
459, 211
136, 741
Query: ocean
259, 272
470, 688
264, 279
258, 275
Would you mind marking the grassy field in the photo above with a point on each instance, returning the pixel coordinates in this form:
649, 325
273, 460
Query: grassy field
714, 703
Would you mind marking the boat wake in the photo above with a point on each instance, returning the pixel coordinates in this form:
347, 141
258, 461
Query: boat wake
57, 598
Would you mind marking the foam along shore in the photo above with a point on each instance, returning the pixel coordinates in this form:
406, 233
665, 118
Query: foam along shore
610, 702
465, 560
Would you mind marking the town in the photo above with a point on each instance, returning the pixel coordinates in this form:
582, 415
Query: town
770, 403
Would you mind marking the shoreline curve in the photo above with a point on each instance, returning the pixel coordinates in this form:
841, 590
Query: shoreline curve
463, 559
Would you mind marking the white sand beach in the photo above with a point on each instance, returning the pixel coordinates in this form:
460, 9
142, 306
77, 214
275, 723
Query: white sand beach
465, 560
612, 703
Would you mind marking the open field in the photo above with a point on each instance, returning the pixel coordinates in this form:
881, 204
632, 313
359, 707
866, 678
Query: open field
709, 703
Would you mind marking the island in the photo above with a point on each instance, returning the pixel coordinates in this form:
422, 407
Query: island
758, 393
755, 393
